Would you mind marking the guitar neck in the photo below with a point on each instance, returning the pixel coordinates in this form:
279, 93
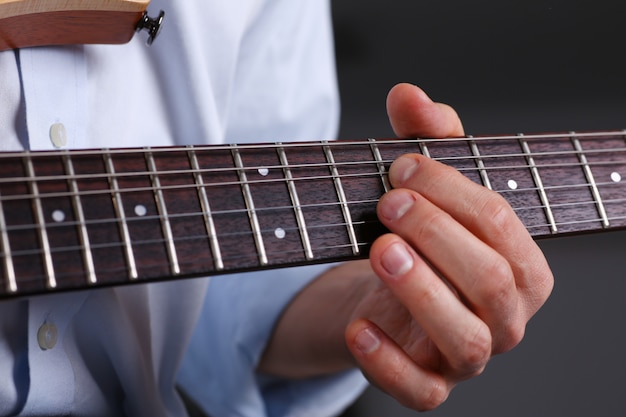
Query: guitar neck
81, 219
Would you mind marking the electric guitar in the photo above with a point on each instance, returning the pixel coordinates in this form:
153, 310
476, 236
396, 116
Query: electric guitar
76, 219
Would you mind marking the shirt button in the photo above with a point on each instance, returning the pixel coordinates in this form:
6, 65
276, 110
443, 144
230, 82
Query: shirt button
58, 135
47, 336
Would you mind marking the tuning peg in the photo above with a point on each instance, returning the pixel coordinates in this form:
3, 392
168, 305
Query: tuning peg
151, 25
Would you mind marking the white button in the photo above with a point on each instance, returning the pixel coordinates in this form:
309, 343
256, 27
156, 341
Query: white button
47, 336
58, 135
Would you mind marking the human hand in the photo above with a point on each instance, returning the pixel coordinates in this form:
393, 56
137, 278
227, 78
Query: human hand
459, 275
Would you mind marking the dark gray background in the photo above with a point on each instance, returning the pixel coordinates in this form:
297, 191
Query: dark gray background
508, 67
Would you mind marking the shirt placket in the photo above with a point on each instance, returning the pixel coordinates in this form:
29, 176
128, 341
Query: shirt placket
54, 91
54, 83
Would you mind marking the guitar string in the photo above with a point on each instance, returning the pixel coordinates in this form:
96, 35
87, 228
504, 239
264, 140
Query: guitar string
123, 271
163, 174
5, 198
359, 143
230, 258
341, 164
144, 175
265, 231
43, 196
611, 162
271, 211
207, 186
616, 134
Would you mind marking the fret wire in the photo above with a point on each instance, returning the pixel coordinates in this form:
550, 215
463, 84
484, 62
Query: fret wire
82, 228
9, 268
542, 192
342, 198
295, 201
41, 221
162, 208
424, 149
119, 210
384, 178
247, 195
209, 224
481, 165
592, 182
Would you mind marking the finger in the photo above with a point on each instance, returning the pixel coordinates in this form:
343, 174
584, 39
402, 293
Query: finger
486, 214
388, 367
480, 274
463, 339
413, 114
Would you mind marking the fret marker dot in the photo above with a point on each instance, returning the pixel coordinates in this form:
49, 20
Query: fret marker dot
141, 210
616, 177
512, 184
58, 216
264, 171
280, 233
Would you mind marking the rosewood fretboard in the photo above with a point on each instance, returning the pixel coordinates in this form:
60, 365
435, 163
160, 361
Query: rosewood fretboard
78, 219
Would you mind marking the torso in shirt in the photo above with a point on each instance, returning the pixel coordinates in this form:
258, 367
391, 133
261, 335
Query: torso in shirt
220, 72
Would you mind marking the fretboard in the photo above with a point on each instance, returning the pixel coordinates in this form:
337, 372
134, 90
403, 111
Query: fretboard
84, 218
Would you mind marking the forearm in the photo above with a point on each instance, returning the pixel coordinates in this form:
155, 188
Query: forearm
309, 337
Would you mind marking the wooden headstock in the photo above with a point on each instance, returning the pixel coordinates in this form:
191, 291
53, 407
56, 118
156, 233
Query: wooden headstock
28, 23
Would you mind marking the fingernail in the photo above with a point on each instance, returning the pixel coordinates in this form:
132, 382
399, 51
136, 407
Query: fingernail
367, 340
396, 204
402, 169
396, 260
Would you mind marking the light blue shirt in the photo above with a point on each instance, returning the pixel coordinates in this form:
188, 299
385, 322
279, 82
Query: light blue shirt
237, 71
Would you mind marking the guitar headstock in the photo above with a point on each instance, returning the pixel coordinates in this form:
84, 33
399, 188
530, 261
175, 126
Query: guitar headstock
29, 23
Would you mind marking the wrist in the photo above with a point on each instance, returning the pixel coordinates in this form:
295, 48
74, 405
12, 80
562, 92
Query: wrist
309, 338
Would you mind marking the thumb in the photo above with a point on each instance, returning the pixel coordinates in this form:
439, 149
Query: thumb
413, 114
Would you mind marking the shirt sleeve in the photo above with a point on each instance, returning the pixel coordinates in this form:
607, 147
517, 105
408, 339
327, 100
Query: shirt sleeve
218, 371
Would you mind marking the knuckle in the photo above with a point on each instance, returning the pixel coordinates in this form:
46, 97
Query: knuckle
512, 336
500, 217
474, 353
431, 226
428, 396
430, 293
432, 396
394, 376
497, 283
